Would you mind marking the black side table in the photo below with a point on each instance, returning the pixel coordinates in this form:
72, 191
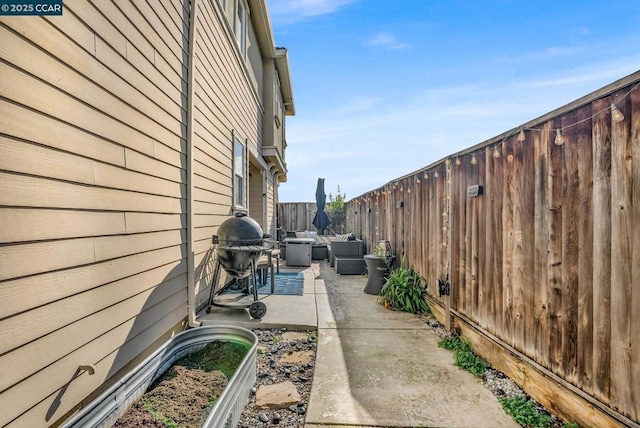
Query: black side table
376, 270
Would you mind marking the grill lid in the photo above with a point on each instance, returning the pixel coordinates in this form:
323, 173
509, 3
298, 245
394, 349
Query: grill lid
240, 230
240, 240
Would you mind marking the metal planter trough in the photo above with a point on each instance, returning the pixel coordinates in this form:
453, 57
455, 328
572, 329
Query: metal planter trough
105, 410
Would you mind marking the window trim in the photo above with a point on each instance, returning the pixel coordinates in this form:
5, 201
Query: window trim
239, 201
240, 25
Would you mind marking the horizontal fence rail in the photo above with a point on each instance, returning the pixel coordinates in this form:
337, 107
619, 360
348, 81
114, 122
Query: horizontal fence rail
538, 232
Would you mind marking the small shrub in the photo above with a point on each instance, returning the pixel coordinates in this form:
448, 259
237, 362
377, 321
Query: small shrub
404, 290
464, 356
450, 343
525, 412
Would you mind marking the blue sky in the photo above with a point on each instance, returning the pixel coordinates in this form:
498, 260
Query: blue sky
383, 88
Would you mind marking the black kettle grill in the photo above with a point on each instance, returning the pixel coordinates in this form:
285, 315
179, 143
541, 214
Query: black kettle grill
239, 246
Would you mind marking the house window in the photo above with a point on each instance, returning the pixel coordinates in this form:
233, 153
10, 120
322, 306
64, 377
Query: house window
278, 107
241, 26
239, 173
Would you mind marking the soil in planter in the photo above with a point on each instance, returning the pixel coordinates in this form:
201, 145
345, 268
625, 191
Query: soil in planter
184, 394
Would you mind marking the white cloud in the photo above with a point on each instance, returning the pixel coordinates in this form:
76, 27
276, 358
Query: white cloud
387, 41
289, 11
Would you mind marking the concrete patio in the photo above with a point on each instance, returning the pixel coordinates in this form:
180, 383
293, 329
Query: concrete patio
374, 367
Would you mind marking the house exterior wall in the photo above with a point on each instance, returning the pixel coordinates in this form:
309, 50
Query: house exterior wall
94, 200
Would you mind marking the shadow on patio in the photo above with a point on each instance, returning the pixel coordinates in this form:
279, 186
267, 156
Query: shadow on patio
376, 367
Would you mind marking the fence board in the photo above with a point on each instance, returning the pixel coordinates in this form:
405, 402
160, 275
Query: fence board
585, 252
541, 266
602, 250
635, 252
570, 219
547, 258
621, 255
508, 240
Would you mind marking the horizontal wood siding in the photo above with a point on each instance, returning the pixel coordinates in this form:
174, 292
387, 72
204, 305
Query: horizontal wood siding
93, 195
547, 258
93, 188
225, 103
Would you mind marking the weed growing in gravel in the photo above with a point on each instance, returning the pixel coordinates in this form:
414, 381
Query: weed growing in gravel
464, 356
525, 412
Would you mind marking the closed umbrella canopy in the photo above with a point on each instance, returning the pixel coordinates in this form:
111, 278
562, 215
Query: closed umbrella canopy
321, 220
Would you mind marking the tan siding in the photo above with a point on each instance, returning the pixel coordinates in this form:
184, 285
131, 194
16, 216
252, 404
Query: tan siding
51, 407
30, 259
19, 88
83, 319
54, 224
29, 125
26, 294
111, 247
32, 192
42, 65
36, 160
38, 321
139, 162
93, 188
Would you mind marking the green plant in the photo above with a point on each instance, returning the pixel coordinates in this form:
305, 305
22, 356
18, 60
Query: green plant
379, 251
335, 210
525, 412
464, 356
404, 290
224, 356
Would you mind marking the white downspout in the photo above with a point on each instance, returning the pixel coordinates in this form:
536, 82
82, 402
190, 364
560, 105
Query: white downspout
191, 283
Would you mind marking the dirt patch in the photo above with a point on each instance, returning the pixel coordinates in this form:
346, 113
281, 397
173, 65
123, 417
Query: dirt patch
185, 393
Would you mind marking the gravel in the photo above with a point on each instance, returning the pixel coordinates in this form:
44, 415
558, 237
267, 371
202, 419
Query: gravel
495, 381
270, 371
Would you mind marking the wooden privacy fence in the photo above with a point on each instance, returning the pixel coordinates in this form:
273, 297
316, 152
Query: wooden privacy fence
544, 265
297, 215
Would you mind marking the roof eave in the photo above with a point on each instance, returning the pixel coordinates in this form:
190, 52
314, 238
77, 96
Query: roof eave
282, 65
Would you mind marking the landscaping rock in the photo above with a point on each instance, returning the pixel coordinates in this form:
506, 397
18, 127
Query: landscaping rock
277, 396
298, 357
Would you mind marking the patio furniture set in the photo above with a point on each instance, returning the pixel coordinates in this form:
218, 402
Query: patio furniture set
344, 252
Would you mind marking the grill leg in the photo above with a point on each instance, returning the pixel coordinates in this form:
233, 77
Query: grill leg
214, 284
253, 278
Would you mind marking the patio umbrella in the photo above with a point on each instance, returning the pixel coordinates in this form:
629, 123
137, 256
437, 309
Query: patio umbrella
321, 220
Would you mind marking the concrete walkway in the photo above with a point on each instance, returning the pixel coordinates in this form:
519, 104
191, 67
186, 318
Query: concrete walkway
374, 367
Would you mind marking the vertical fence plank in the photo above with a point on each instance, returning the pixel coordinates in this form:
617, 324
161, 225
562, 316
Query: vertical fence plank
570, 219
475, 219
585, 245
459, 235
602, 249
508, 249
518, 280
555, 254
481, 237
488, 241
527, 219
541, 261
621, 253
467, 247
634, 118
497, 236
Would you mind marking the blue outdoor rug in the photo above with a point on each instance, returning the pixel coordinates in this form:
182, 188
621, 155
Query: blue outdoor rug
286, 283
